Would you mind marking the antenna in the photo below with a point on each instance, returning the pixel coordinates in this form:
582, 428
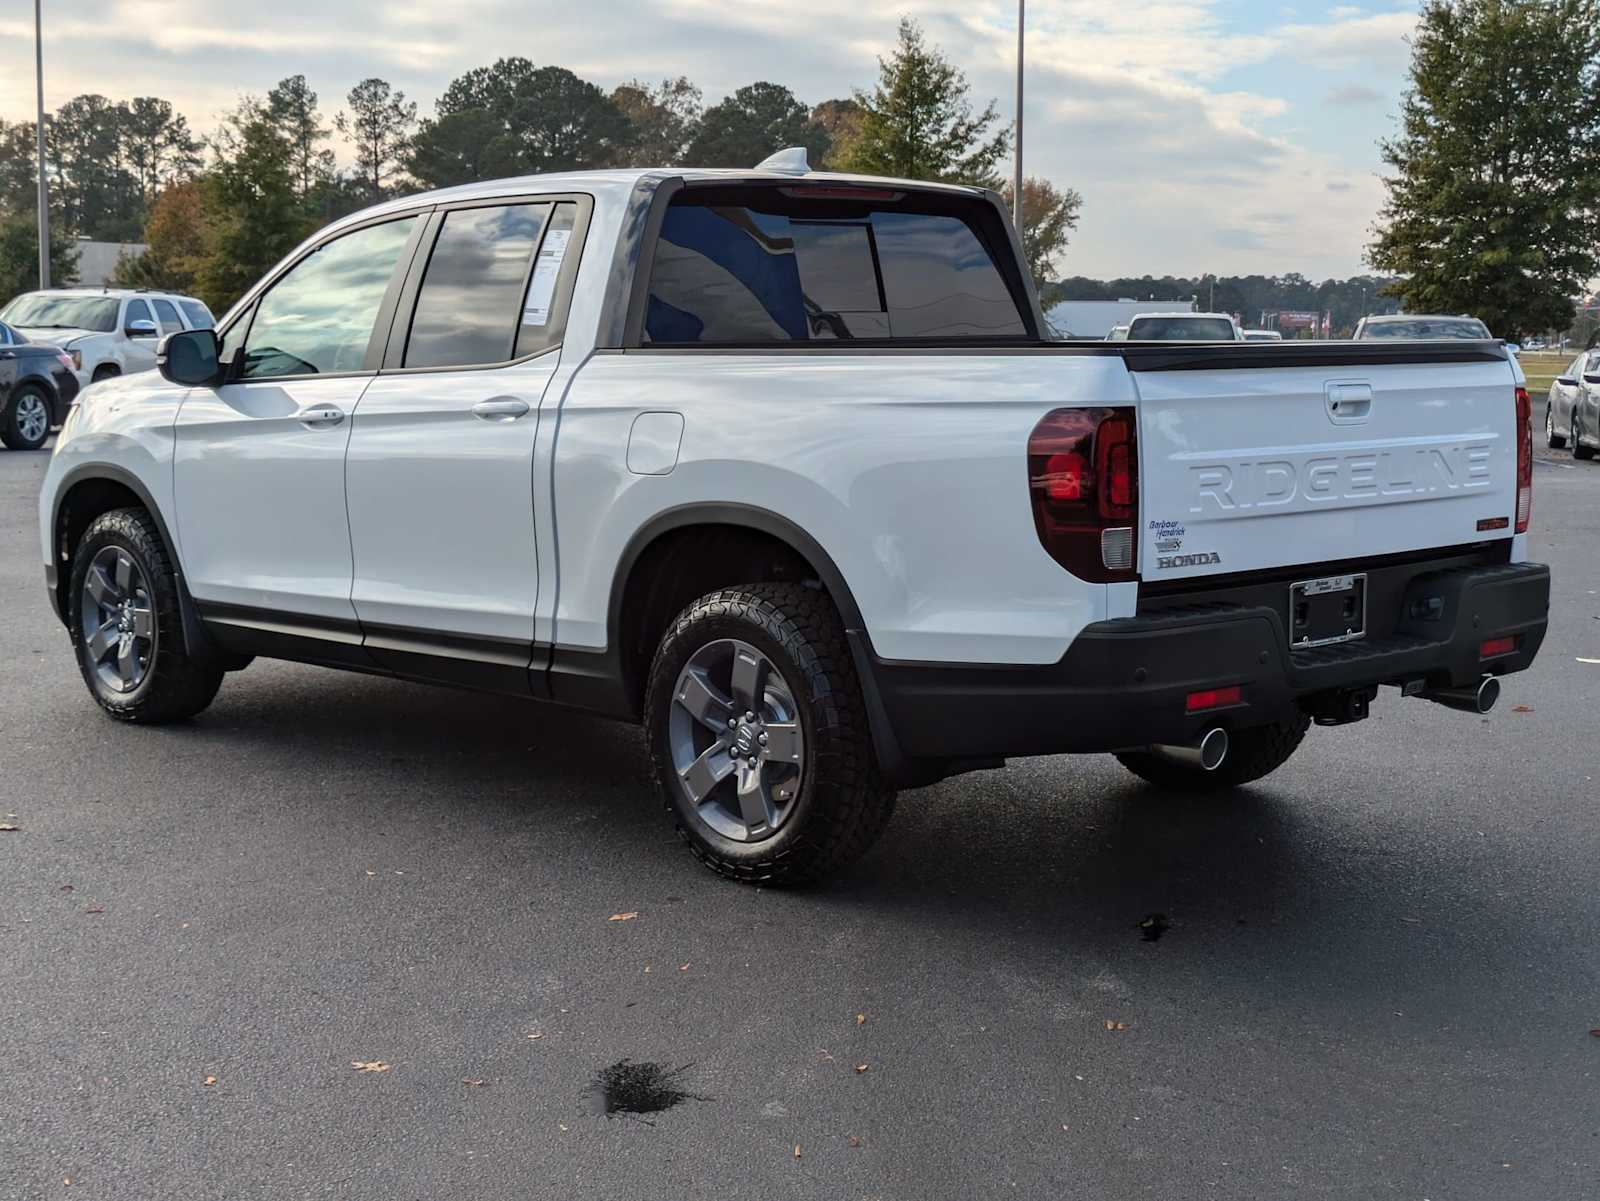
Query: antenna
790, 161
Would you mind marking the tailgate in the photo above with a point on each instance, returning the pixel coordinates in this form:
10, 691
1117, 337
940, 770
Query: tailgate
1245, 467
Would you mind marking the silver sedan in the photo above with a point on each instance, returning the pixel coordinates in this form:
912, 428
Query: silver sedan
1571, 416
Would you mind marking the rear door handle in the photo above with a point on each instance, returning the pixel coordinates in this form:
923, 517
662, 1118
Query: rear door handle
1349, 403
321, 417
501, 408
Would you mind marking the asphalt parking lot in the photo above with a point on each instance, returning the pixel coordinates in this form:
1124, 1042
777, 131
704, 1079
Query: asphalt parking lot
1377, 979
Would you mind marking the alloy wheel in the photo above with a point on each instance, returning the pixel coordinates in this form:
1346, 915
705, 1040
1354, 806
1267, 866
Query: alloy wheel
118, 620
33, 417
737, 747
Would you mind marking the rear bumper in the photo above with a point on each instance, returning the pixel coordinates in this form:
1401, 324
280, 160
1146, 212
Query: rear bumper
1124, 683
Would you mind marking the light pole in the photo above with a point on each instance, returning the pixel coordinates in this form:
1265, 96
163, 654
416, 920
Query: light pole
1016, 174
44, 192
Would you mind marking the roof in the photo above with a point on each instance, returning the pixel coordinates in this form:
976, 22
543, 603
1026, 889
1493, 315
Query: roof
622, 182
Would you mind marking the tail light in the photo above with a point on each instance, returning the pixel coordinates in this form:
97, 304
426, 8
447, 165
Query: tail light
65, 360
1083, 480
75, 357
1524, 460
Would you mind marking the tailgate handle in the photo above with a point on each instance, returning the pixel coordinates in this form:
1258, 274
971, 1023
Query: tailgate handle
1349, 402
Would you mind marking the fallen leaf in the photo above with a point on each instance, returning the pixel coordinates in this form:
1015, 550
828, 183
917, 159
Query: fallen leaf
823, 1051
1595, 1032
647, 969
372, 873
94, 909
1066, 1127
66, 888
1522, 708
860, 1017
797, 1150
860, 1067
563, 1125
474, 1083
1111, 1025
66, 1180
623, 917
371, 1065
534, 1037
209, 1081
7, 827
854, 1141
683, 967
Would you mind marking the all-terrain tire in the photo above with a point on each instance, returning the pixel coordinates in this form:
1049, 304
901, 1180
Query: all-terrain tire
1252, 754
842, 805
176, 685
12, 433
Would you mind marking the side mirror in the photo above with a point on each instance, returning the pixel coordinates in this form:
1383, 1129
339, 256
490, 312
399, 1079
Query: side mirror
1589, 377
190, 358
141, 329
1566, 381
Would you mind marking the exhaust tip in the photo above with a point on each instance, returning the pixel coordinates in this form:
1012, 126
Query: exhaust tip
1213, 748
1488, 693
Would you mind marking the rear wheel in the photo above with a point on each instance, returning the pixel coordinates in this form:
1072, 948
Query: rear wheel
1552, 439
25, 425
759, 737
126, 625
1579, 450
1252, 754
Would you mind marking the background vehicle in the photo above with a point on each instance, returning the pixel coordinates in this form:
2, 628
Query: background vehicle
1119, 333
37, 384
1262, 335
106, 332
1572, 410
1184, 327
781, 465
1413, 325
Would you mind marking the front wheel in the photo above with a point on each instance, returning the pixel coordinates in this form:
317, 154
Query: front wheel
1552, 439
126, 625
1252, 754
759, 739
1579, 450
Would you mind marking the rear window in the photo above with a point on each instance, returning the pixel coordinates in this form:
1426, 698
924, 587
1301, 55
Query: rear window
199, 316
740, 266
1469, 328
1181, 329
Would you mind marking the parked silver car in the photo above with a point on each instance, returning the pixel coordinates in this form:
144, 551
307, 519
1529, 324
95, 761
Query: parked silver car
1571, 414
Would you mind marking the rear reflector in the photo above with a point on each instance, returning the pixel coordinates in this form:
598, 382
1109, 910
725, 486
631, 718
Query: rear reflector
1493, 648
1213, 698
1116, 548
1524, 460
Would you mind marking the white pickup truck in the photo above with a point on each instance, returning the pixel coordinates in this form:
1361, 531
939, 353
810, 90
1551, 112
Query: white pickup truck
780, 464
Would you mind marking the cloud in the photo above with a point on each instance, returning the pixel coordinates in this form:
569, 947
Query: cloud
1136, 103
1352, 95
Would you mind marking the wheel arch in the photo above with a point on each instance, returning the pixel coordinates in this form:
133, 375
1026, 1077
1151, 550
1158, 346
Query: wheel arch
86, 492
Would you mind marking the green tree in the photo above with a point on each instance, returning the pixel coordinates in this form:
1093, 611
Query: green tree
379, 126
253, 217
514, 118
19, 181
757, 120
662, 121
99, 196
19, 257
841, 121
1049, 215
292, 106
1494, 205
156, 146
918, 122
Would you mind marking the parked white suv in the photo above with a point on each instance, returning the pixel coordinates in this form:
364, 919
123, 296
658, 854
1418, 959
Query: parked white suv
105, 331
783, 466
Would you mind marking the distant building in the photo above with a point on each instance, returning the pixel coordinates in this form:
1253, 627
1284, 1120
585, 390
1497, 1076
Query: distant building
97, 260
1094, 318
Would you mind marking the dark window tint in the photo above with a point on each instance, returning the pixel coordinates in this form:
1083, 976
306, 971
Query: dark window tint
5, 336
1181, 329
780, 269
138, 310
470, 307
1467, 328
199, 316
318, 318
170, 323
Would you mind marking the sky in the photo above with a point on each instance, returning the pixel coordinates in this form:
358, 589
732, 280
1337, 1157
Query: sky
1224, 136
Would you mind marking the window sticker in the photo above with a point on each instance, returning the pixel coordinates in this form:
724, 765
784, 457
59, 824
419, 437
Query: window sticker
542, 290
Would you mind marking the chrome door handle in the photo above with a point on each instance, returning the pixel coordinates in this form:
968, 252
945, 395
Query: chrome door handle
501, 408
321, 417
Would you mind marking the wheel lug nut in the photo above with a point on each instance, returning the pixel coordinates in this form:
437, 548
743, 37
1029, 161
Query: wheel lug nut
733, 723
763, 739
752, 760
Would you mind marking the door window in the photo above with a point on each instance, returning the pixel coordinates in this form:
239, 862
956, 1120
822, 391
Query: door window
199, 316
470, 308
319, 317
138, 310
170, 322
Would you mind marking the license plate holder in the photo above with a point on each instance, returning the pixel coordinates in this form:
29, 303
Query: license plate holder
1327, 610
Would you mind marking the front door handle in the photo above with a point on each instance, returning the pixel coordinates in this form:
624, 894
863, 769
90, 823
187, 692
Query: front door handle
501, 408
321, 417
